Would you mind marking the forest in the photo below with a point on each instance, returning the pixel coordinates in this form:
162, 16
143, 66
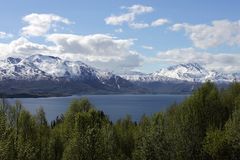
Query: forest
205, 126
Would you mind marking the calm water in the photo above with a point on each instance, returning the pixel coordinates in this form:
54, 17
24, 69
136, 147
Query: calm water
115, 106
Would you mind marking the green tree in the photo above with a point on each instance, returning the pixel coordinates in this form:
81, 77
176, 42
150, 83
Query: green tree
124, 133
42, 134
86, 138
26, 145
56, 143
152, 142
215, 144
188, 122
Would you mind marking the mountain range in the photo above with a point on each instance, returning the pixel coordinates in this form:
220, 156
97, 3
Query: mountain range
190, 72
41, 75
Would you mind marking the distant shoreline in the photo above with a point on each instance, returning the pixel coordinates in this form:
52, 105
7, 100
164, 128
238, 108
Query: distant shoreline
82, 94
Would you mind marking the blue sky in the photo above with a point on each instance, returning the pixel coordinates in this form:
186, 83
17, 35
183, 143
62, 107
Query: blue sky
121, 35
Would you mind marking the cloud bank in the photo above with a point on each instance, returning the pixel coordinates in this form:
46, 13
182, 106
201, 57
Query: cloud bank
106, 51
220, 32
130, 17
40, 24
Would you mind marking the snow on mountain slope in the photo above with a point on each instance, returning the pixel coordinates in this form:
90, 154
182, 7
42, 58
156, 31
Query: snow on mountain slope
191, 72
186, 72
41, 67
141, 77
59, 68
16, 68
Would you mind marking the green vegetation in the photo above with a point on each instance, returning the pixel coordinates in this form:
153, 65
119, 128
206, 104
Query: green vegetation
205, 126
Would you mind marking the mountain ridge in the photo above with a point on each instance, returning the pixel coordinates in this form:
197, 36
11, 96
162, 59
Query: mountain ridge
42, 75
67, 77
190, 72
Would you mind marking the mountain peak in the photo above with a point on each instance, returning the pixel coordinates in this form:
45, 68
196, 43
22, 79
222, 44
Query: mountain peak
196, 65
43, 66
191, 72
13, 60
40, 58
192, 66
38, 67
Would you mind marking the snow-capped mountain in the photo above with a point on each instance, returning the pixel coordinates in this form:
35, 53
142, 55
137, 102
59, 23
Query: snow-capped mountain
48, 67
20, 69
190, 72
42, 67
41, 75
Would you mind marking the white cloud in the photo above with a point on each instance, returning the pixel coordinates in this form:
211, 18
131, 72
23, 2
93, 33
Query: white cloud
99, 50
128, 17
124, 64
40, 24
222, 61
138, 25
119, 30
4, 35
96, 44
220, 32
139, 9
156, 23
119, 20
23, 47
159, 22
147, 47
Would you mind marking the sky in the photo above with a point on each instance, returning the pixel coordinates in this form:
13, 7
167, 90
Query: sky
122, 36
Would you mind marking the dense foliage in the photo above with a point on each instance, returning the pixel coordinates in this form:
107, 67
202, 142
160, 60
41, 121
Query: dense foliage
205, 126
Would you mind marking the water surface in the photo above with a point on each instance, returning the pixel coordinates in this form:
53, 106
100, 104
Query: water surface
115, 106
